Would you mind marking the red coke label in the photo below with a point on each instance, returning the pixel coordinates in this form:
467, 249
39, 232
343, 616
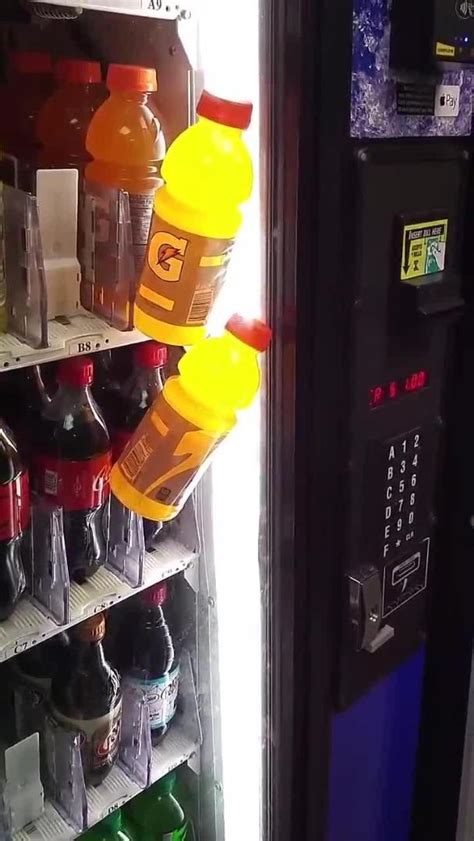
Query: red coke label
14, 507
75, 485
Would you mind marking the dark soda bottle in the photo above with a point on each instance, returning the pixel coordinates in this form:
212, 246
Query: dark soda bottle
137, 395
151, 661
72, 460
37, 666
106, 386
86, 695
14, 522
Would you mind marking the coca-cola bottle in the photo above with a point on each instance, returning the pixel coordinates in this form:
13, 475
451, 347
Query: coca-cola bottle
137, 395
72, 460
14, 522
149, 661
106, 386
86, 696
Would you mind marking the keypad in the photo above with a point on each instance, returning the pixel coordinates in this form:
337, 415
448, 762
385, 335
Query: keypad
398, 494
403, 458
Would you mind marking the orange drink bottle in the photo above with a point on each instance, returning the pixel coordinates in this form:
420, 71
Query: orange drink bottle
63, 121
127, 146
171, 447
208, 175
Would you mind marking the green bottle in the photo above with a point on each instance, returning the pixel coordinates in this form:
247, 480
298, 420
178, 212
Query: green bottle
111, 828
155, 815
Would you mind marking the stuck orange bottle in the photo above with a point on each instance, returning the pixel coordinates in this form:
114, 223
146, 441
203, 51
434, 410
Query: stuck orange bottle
127, 146
197, 214
171, 447
30, 82
64, 118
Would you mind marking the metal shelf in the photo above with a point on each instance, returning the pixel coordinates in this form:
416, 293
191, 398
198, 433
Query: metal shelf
161, 9
177, 747
67, 337
28, 627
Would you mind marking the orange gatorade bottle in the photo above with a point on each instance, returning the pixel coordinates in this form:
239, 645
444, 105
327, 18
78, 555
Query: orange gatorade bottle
171, 447
64, 118
208, 175
127, 146
30, 83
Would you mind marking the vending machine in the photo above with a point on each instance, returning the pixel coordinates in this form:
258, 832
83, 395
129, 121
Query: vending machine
272, 637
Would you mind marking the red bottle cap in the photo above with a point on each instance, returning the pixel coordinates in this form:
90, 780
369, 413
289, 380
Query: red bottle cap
26, 62
250, 331
150, 355
92, 629
224, 111
76, 71
78, 371
129, 77
155, 595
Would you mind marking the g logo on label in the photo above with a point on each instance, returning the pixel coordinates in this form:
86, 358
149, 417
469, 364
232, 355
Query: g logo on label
166, 256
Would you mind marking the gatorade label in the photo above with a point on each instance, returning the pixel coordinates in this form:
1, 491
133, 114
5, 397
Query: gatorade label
161, 697
182, 276
141, 210
14, 507
75, 485
166, 442
101, 736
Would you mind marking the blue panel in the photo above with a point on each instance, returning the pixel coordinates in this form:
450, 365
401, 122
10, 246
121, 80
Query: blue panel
374, 746
374, 112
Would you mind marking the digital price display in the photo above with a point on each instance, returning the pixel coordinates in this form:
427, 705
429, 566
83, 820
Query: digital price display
395, 389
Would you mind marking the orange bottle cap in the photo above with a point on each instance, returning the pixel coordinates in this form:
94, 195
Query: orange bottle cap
26, 62
224, 111
129, 77
92, 629
77, 71
250, 331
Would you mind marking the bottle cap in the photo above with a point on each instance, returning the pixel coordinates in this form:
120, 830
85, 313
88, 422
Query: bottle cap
166, 784
150, 355
92, 629
224, 111
78, 371
155, 595
129, 77
250, 331
35, 62
76, 71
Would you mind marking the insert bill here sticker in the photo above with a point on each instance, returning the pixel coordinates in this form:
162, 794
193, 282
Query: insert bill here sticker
424, 249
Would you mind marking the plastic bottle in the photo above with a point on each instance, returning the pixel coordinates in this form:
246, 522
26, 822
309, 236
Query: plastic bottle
37, 666
111, 828
208, 175
148, 659
71, 465
29, 85
14, 522
127, 146
86, 696
170, 448
64, 118
156, 815
106, 387
137, 395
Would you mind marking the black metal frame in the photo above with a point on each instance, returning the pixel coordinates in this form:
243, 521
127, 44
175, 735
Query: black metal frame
306, 100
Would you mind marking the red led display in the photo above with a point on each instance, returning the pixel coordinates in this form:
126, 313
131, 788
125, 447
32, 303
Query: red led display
394, 389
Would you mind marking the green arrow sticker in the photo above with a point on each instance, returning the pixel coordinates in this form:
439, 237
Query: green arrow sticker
424, 249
